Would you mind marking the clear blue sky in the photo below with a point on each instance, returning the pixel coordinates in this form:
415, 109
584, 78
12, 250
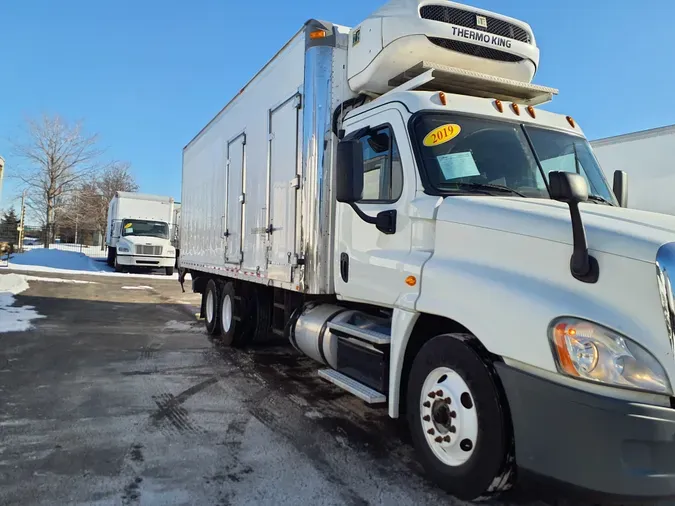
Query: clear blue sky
148, 74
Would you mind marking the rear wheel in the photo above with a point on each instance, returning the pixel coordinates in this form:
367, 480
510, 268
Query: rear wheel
228, 324
458, 423
211, 306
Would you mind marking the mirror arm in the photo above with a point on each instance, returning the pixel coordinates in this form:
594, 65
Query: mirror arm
385, 221
584, 267
368, 219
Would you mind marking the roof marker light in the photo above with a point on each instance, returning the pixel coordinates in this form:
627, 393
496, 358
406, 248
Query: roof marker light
499, 105
530, 110
516, 108
442, 98
570, 120
317, 34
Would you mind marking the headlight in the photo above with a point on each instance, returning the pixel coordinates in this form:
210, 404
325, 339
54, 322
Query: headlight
589, 351
123, 249
170, 251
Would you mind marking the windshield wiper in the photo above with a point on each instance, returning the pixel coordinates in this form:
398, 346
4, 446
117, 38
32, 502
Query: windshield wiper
487, 188
599, 200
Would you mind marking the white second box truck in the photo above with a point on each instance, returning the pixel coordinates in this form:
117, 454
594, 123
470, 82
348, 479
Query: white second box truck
389, 198
648, 158
139, 232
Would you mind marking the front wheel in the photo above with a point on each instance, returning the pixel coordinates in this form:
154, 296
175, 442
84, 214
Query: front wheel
118, 266
169, 271
458, 422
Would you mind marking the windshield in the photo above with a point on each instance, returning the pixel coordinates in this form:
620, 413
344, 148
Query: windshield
145, 228
462, 154
569, 153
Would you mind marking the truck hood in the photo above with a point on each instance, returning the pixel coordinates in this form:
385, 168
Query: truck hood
625, 232
145, 240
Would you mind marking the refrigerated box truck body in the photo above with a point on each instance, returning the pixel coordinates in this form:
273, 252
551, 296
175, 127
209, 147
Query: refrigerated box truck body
390, 199
648, 158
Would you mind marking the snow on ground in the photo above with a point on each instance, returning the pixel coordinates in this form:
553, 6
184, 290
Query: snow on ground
69, 262
14, 318
178, 326
57, 259
57, 280
141, 287
91, 251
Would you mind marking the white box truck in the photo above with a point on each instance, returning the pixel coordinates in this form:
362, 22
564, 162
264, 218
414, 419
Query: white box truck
139, 232
648, 157
389, 198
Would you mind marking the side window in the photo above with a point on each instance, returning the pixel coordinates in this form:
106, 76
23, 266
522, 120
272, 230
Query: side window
383, 174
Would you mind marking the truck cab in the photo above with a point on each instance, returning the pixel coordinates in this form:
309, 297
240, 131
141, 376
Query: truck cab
395, 203
140, 232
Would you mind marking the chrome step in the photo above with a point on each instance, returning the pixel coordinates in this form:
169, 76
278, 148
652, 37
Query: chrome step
368, 335
360, 390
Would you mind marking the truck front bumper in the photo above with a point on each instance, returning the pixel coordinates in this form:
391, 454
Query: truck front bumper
599, 445
145, 261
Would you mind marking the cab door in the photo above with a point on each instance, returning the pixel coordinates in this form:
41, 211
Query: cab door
369, 263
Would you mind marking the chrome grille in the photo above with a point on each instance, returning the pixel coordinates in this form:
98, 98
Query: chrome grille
461, 17
474, 50
142, 249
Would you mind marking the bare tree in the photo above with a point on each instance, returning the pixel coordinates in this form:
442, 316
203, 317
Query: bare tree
97, 193
59, 156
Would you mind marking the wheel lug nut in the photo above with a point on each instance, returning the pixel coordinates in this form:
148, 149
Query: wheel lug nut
431, 431
446, 439
426, 418
432, 394
439, 392
427, 404
453, 429
439, 439
453, 414
448, 400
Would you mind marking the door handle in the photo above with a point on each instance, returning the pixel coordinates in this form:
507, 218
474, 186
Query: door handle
344, 267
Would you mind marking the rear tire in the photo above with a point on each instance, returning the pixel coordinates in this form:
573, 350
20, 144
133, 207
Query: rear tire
211, 308
169, 271
457, 418
227, 321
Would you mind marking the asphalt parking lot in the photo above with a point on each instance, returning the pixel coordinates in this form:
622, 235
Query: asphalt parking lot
117, 396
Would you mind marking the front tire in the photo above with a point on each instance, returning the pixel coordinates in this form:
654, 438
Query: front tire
118, 267
211, 308
457, 419
169, 271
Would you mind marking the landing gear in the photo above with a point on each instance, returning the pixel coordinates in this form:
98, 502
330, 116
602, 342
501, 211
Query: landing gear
458, 420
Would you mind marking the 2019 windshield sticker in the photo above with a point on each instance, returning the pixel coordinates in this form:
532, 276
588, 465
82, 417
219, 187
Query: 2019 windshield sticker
442, 134
128, 225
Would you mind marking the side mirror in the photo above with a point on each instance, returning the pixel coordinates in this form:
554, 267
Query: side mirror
350, 169
572, 189
620, 187
568, 187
